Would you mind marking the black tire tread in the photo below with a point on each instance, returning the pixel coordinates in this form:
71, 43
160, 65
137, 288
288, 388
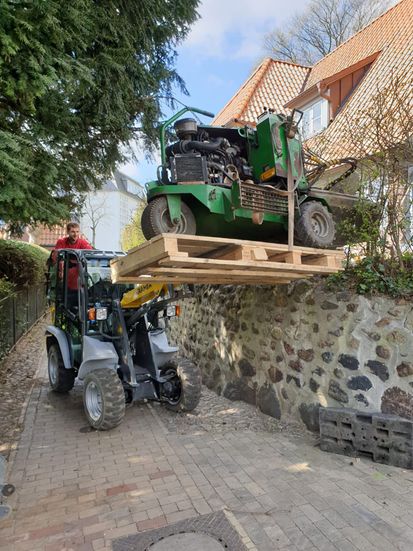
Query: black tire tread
150, 217
113, 397
303, 231
65, 377
191, 382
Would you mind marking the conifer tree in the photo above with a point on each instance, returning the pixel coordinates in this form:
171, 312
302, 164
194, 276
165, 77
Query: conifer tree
76, 79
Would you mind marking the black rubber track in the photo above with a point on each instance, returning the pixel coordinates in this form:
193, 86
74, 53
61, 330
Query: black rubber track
151, 221
304, 233
65, 377
191, 384
113, 398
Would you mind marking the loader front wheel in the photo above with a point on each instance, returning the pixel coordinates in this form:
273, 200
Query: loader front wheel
61, 379
103, 399
182, 391
315, 227
156, 219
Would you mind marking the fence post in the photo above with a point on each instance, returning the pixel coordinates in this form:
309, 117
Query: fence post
14, 318
27, 309
36, 305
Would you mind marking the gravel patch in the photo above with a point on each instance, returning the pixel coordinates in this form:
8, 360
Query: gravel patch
17, 372
218, 414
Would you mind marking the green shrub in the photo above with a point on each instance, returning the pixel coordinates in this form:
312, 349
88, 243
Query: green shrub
6, 288
373, 275
21, 263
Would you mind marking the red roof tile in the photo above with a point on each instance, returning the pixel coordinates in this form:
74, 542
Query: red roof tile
270, 86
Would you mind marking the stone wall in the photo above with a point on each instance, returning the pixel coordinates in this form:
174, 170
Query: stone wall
290, 349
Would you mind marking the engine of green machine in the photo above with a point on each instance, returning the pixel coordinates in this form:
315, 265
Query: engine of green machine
232, 182
219, 155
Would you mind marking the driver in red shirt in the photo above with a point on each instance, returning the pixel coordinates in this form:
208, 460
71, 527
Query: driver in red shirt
72, 241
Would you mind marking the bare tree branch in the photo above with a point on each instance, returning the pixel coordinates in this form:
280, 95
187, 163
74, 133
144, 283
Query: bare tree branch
323, 25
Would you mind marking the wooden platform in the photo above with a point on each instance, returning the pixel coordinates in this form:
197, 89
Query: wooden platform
174, 258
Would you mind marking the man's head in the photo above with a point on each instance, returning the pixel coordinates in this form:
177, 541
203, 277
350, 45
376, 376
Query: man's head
73, 231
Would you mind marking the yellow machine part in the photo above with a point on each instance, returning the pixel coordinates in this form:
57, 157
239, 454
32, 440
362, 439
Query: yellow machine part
143, 293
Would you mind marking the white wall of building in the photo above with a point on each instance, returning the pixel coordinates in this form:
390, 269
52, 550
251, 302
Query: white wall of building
110, 209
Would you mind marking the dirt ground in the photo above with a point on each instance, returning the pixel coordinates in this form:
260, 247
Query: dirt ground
17, 376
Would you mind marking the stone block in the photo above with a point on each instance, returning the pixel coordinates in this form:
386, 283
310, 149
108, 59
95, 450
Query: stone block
384, 438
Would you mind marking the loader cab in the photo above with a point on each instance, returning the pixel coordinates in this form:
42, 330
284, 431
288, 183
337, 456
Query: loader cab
66, 296
81, 294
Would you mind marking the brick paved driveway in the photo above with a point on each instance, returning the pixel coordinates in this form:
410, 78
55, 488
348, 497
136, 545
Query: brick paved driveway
80, 490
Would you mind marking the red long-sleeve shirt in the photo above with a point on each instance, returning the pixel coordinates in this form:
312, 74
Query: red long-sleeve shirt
64, 243
73, 272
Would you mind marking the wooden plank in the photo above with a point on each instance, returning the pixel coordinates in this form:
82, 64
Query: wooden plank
250, 274
239, 252
212, 243
212, 263
223, 252
291, 209
323, 260
149, 253
202, 281
292, 257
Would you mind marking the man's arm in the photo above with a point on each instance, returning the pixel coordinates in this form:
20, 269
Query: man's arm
60, 244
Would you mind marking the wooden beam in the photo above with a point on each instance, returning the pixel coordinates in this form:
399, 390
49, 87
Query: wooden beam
210, 263
293, 257
291, 210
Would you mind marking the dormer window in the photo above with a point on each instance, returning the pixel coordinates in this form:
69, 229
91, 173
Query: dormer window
315, 118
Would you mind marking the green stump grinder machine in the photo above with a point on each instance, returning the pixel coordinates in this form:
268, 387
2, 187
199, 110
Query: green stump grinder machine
232, 182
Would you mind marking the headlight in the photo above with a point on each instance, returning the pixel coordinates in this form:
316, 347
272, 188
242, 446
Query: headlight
101, 314
172, 311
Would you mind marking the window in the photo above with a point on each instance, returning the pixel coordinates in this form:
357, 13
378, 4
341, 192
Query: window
315, 118
131, 187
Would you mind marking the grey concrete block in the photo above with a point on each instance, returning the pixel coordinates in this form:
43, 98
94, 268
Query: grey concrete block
384, 438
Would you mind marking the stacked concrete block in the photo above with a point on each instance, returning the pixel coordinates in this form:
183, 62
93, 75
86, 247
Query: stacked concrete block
384, 438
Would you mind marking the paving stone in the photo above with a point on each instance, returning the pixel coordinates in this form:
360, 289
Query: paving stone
158, 468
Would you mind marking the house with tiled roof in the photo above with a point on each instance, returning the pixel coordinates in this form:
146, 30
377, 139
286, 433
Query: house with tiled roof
338, 87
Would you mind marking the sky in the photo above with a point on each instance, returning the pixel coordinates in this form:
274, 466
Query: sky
220, 52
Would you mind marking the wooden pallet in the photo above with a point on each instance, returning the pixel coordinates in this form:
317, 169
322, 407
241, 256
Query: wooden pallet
174, 258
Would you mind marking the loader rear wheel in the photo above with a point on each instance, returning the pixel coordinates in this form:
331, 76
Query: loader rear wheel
315, 227
103, 399
61, 379
156, 219
185, 385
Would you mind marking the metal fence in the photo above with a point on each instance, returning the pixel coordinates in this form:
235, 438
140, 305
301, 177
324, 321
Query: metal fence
18, 313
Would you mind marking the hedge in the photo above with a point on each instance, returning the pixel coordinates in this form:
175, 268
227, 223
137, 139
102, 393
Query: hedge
21, 264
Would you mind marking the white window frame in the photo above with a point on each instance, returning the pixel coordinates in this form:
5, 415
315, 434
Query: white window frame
308, 125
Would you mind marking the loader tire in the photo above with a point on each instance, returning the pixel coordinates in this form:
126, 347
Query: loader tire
103, 399
315, 227
188, 383
156, 219
61, 379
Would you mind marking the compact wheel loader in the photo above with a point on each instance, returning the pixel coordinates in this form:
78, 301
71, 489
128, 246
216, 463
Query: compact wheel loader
232, 182
112, 338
